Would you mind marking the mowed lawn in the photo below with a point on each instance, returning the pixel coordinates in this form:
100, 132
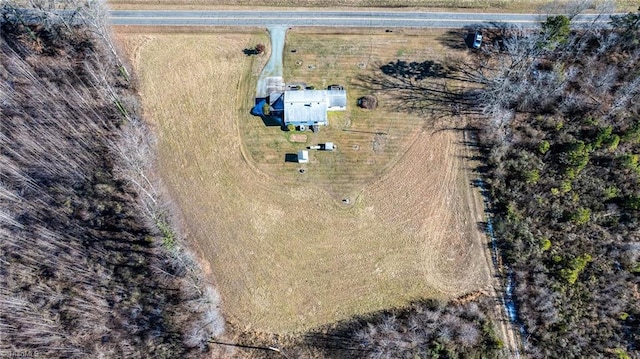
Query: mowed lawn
283, 250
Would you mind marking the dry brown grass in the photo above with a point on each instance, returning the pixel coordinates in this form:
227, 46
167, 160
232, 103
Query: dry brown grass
408, 5
369, 142
286, 254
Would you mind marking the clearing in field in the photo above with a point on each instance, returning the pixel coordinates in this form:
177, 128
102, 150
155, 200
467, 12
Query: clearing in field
283, 249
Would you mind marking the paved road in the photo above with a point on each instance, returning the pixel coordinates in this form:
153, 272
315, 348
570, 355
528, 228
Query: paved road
384, 19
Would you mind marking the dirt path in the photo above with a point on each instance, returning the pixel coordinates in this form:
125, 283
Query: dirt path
506, 329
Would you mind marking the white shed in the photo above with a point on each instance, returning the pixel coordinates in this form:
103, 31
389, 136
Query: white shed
303, 156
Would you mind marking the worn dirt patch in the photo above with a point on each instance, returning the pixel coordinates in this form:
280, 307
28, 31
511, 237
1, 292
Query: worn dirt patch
298, 138
379, 142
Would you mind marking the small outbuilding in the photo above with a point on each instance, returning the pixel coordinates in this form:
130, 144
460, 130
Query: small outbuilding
303, 156
327, 146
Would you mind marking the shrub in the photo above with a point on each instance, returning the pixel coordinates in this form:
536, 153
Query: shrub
581, 216
579, 155
544, 146
632, 202
512, 213
621, 354
369, 102
570, 173
532, 177
168, 237
633, 133
575, 267
611, 192
556, 30
591, 121
603, 136
630, 161
613, 142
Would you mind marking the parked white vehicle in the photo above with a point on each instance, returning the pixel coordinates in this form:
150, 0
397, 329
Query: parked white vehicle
477, 40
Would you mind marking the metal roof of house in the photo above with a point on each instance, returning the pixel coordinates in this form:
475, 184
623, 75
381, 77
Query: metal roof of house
337, 98
305, 107
305, 95
276, 101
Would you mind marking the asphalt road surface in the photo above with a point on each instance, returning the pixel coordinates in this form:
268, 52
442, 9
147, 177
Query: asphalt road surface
383, 19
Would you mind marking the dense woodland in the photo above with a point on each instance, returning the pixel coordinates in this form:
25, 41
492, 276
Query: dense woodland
425, 329
562, 148
89, 265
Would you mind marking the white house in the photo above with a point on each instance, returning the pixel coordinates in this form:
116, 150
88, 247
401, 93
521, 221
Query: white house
307, 107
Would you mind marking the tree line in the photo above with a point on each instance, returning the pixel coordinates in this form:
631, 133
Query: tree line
560, 139
90, 265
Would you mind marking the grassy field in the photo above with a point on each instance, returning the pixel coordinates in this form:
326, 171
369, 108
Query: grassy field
369, 142
433, 5
284, 251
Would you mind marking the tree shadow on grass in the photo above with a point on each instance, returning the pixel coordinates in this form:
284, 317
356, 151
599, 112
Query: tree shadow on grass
456, 39
415, 70
461, 38
422, 88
